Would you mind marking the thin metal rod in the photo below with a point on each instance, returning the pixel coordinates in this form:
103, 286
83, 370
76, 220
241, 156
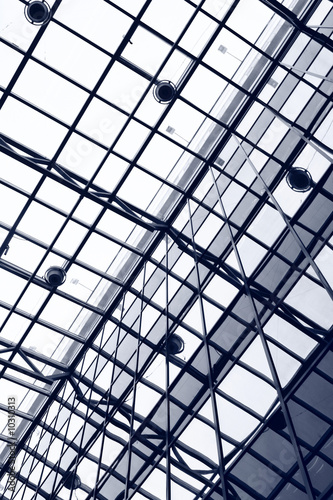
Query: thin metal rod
278, 388
320, 26
106, 420
295, 129
298, 240
167, 374
135, 379
307, 72
221, 466
77, 461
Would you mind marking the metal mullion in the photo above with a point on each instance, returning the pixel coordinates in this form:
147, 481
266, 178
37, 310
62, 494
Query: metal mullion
33, 453
221, 464
48, 115
7, 241
298, 240
108, 204
94, 196
303, 134
42, 322
229, 439
79, 221
232, 180
241, 406
253, 98
93, 93
185, 412
59, 293
82, 264
182, 482
47, 252
317, 448
293, 386
284, 476
26, 57
277, 62
313, 451
41, 308
323, 374
54, 435
20, 369
56, 466
44, 64
278, 388
290, 314
111, 55
298, 24
276, 114
248, 368
104, 428
189, 329
192, 452
310, 408
285, 349
243, 231
167, 375
135, 383
204, 262
164, 181
86, 419
24, 456
141, 99
228, 128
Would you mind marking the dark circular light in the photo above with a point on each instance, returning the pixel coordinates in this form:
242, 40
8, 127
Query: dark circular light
72, 481
299, 179
37, 12
55, 276
164, 91
175, 344
277, 422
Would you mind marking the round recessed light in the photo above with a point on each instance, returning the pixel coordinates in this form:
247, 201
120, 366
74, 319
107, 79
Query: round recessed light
299, 179
37, 12
72, 481
277, 422
175, 344
164, 91
55, 276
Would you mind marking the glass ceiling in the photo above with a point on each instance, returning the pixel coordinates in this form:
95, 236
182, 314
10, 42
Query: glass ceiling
188, 353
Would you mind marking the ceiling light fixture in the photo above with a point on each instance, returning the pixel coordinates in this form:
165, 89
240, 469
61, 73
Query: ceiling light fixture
71, 481
299, 179
175, 344
164, 91
55, 276
37, 12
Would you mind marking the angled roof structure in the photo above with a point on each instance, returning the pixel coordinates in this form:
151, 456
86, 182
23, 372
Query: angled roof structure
166, 250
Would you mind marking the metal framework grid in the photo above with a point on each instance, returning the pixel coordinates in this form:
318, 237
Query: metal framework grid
169, 219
